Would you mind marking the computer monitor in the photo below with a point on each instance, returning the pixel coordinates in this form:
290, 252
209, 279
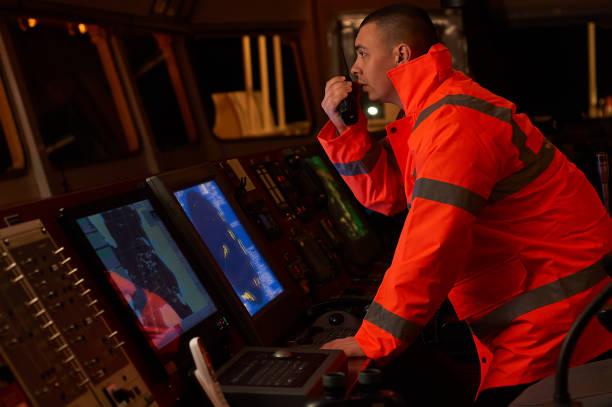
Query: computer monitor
134, 252
202, 205
360, 243
343, 210
230, 244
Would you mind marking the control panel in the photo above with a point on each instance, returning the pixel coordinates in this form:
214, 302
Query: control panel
309, 217
53, 334
56, 344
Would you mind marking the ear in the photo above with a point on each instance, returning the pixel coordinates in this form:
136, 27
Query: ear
402, 53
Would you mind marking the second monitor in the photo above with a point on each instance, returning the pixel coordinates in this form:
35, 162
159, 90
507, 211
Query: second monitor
203, 207
228, 241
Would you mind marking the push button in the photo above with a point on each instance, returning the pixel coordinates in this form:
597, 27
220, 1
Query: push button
336, 319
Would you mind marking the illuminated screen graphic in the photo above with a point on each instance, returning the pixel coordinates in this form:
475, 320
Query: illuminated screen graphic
343, 212
148, 271
230, 244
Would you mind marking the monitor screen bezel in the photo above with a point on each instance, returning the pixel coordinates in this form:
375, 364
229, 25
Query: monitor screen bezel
208, 329
273, 321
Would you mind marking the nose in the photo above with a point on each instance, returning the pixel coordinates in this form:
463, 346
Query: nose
355, 70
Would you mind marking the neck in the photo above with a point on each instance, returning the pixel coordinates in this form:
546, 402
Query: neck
395, 99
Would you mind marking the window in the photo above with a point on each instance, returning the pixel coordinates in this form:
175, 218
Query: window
152, 61
604, 67
252, 86
75, 92
11, 150
554, 83
6, 161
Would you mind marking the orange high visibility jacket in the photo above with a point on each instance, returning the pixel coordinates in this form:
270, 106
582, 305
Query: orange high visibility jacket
158, 320
500, 222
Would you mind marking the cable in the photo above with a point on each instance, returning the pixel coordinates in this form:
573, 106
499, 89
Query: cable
561, 395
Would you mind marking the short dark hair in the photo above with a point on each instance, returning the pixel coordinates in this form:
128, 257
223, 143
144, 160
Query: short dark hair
405, 23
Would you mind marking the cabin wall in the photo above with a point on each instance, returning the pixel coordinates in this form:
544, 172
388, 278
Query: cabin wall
19, 189
244, 11
486, 27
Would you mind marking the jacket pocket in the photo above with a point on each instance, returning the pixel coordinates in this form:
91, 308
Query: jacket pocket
477, 295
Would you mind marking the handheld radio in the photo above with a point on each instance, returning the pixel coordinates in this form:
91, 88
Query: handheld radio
347, 108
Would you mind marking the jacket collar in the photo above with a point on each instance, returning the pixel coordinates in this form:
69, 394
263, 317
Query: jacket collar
416, 79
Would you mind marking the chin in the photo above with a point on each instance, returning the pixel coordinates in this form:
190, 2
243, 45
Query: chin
373, 97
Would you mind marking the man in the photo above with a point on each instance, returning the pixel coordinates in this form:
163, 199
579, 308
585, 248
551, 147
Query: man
499, 221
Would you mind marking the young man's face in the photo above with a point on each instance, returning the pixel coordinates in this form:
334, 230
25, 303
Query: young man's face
374, 59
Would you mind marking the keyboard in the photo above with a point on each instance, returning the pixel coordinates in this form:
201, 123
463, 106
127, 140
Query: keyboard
261, 368
256, 378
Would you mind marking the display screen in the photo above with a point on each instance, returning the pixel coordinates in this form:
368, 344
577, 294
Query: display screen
148, 271
230, 244
343, 212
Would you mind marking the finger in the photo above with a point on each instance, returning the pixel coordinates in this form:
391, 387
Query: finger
330, 345
333, 81
334, 98
338, 91
331, 101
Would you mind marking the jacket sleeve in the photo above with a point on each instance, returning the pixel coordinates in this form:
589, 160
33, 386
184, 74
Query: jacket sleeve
454, 176
366, 166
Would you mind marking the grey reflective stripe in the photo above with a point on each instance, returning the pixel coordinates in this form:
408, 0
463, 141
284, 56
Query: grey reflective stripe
363, 166
534, 164
545, 295
391, 160
450, 194
397, 326
502, 113
515, 182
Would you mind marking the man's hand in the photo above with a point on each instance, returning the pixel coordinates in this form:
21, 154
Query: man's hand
348, 345
336, 89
